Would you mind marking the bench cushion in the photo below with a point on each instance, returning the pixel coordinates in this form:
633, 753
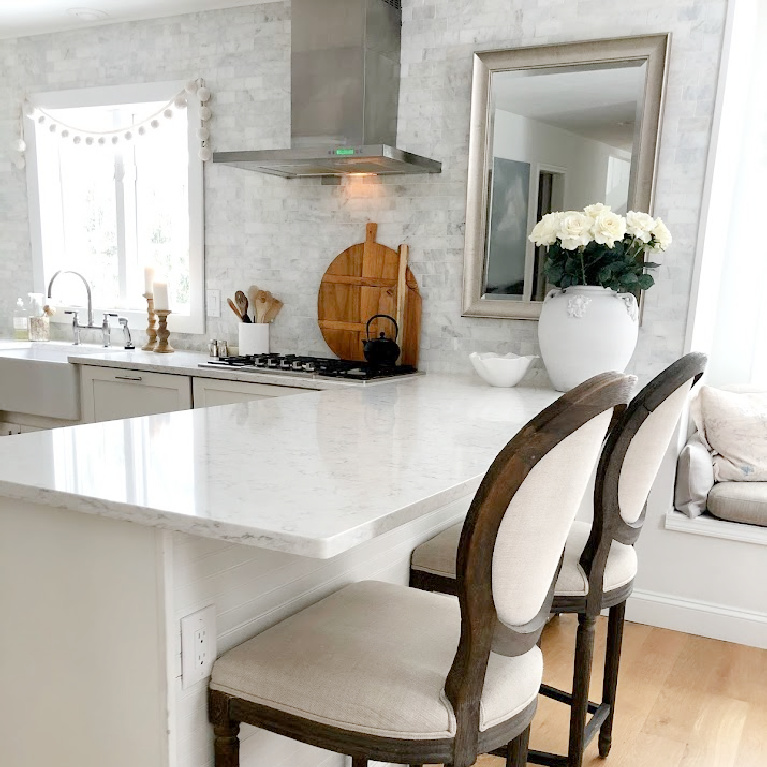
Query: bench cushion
739, 502
372, 658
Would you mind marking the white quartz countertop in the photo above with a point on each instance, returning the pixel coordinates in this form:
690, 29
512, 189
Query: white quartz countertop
314, 474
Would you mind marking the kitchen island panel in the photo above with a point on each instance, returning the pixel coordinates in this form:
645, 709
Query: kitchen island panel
82, 639
253, 589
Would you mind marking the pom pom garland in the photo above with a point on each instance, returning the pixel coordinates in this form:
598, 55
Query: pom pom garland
194, 89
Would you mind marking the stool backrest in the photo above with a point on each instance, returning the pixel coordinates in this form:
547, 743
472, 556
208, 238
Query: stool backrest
630, 461
514, 535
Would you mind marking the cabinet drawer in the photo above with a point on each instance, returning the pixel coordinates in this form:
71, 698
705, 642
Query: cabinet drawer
213, 391
112, 393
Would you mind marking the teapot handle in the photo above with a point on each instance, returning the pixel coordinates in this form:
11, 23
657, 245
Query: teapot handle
388, 317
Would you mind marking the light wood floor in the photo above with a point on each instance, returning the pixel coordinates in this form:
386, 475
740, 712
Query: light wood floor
683, 701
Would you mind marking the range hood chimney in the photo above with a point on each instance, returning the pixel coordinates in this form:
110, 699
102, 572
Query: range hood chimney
345, 67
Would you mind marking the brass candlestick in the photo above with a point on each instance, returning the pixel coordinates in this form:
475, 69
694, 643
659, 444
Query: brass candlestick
163, 347
151, 333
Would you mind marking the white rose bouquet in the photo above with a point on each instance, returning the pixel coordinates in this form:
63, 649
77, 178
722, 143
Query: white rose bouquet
599, 247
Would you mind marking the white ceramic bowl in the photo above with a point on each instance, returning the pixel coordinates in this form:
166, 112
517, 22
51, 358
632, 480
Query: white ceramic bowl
502, 370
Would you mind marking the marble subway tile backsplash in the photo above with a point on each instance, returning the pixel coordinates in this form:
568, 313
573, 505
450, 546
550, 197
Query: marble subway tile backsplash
282, 234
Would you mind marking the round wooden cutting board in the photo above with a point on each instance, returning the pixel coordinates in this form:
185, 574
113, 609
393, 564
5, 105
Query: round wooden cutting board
362, 281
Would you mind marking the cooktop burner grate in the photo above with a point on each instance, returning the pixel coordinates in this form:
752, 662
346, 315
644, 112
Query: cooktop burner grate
314, 366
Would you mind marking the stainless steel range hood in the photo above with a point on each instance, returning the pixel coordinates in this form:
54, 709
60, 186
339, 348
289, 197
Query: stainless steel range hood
345, 62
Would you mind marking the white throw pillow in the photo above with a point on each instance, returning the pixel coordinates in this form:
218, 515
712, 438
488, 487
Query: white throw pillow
694, 478
733, 425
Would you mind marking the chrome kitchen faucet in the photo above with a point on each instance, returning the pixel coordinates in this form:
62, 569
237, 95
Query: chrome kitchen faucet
76, 326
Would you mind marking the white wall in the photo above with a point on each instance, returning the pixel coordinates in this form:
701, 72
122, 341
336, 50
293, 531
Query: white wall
583, 160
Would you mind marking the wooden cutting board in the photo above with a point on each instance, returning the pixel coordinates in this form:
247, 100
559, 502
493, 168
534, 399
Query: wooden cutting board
363, 281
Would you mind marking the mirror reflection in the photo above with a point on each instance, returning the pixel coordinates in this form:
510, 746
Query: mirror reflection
562, 138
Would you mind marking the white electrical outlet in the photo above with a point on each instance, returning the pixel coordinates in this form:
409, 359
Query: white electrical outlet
198, 645
214, 303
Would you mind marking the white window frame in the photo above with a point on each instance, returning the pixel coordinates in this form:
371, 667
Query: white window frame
118, 95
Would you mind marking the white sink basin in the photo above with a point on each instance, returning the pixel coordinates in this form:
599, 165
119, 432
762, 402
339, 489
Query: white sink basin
37, 379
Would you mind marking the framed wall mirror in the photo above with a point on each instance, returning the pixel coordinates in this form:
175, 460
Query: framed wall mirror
555, 127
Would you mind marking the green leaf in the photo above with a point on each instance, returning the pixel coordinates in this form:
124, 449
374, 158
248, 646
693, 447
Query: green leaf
565, 282
629, 279
650, 265
555, 273
646, 281
604, 274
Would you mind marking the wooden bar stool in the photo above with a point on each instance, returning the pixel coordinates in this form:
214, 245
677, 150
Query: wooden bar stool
390, 673
599, 563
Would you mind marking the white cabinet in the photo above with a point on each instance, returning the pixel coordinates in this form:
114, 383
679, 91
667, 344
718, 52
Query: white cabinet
111, 393
212, 391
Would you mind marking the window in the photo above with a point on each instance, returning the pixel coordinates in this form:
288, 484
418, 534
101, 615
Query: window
108, 209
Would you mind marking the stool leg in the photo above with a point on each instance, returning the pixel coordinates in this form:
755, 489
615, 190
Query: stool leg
610, 682
584, 654
226, 746
359, 762
516, 755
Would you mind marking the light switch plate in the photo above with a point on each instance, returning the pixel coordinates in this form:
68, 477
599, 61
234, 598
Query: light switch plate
213, 300
198, 646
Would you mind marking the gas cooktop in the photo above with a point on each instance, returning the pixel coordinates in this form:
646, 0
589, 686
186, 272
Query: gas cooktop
310, 367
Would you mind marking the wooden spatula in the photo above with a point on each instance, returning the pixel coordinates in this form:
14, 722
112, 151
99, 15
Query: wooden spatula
252, 293
273, 310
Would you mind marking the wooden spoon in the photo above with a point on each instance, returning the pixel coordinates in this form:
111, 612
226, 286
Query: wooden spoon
242, 304
234, 308
273, 310
262, 304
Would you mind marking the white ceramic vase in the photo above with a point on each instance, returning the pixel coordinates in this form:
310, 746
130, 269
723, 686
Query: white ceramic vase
585, 330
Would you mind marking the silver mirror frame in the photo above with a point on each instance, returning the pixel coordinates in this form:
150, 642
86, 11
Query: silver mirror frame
650, 49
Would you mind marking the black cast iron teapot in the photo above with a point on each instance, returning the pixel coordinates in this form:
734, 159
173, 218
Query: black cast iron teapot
381, 350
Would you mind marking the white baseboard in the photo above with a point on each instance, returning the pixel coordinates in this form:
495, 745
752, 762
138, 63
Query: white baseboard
703, 618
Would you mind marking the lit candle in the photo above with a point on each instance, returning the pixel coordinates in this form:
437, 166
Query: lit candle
148, 279
161, 296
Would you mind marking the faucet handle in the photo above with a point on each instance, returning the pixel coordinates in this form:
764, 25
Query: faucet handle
107, 315
75, 316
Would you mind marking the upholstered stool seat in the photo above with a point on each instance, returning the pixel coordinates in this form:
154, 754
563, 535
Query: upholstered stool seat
437, 556
373, 658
